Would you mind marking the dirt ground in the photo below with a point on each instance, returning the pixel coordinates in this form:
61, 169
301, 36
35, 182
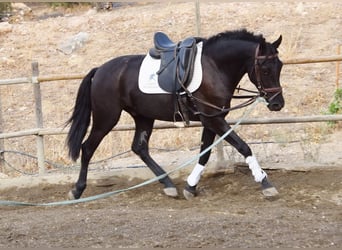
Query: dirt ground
230, 210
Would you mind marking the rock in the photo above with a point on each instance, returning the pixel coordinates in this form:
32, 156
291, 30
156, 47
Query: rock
91, 12
5, 27
21, 8
3, 176
300, 9
73, 43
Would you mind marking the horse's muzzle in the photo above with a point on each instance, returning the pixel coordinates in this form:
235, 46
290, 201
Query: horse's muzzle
276, 102
275, 106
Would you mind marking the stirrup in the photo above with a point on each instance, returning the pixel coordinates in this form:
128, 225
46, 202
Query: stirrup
178, 124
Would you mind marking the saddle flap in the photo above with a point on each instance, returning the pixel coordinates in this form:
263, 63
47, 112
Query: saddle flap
186, 62
187, 51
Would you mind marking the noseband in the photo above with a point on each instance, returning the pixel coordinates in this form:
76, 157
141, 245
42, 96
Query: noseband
264, 92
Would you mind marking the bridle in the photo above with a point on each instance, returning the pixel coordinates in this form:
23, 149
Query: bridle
264, 92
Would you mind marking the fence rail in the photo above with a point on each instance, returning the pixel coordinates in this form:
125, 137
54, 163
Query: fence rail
250, 121
16, 81
335, 58
40, 131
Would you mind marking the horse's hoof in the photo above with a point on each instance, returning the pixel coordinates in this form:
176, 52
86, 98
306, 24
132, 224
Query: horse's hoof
188, 195
171, 191
189, 192
71, 195
270, 192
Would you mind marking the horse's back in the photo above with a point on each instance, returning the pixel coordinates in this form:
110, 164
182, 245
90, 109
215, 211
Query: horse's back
118, 66
117, 71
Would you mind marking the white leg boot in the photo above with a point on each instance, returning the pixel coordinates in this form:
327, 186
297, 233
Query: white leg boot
254, 166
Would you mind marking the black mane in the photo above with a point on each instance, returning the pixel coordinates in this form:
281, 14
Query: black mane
241, 34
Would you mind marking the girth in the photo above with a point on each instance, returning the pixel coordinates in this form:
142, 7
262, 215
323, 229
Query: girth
177, 61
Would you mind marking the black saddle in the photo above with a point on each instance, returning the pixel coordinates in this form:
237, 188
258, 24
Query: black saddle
177, 61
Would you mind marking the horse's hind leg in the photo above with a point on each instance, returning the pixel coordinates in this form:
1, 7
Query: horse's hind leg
142, 135
88, 149
190, 187
99, 130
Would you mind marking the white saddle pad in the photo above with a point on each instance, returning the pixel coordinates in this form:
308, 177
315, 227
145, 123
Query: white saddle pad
148, 78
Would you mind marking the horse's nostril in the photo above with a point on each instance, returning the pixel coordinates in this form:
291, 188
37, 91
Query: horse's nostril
275, 106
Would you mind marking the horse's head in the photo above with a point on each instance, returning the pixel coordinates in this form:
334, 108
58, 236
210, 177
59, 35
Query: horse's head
265, 74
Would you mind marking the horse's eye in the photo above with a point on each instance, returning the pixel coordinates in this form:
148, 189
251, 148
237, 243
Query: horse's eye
265, 72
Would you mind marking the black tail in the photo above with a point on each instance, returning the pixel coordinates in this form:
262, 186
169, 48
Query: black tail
80, 118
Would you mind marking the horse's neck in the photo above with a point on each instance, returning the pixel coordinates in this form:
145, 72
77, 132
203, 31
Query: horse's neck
237, 59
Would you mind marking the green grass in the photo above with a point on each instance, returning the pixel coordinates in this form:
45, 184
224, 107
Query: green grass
335, 106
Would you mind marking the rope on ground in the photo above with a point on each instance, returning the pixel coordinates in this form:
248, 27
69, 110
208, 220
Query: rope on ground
108, 194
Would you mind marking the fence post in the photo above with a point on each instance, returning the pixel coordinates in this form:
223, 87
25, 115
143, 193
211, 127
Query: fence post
39, 117
219, 150
198, 18
338, 67
2, 143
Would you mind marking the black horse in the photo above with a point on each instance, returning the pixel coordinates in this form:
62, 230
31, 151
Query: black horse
113, 87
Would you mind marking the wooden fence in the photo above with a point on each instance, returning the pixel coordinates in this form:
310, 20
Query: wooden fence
40, 131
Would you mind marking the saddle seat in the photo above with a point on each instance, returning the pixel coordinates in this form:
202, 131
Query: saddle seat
177, 61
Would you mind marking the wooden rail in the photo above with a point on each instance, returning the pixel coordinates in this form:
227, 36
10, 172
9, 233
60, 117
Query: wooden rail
335, 58
250, 121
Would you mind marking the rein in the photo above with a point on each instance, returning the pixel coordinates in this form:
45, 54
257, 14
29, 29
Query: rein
222, 110
245, 96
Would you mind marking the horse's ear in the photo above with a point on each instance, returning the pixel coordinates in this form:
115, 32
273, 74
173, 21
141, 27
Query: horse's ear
278, 42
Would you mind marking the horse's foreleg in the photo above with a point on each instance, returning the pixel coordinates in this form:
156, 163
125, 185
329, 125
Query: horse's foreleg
260, 176
220, 126
142, 135
190, 187
258, 173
